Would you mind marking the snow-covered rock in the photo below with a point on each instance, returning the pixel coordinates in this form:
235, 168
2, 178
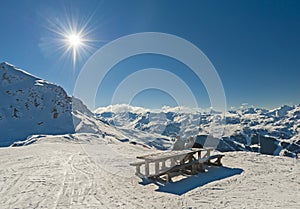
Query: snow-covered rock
30, 105
274, 131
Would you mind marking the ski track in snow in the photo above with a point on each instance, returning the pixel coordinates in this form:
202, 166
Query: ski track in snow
72, 175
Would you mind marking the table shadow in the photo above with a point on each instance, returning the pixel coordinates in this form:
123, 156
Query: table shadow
189, 183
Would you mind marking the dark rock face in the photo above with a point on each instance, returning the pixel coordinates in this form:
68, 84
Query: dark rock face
227, 144
233, 120
224, 145
171, 128
268, 145
200, 139
249, 111
284, 145
144, 120
132, 116
254, 139
239, 138
293, 148
170, 116
265, 145
107, 114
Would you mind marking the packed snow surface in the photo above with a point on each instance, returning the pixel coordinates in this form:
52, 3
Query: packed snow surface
89, 171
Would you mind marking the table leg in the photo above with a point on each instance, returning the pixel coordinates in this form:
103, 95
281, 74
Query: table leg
146, 168
199, 155
208, 153
156, 168
194, 169
163, 164
138, 170
172, 162
190, 158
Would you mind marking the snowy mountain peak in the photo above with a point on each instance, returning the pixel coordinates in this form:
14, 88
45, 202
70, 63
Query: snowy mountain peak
30, 105
274, 131
5, 65
12, 70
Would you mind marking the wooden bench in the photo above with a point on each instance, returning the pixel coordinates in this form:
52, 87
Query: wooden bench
138, 168
193, 167
181, 162
217, 162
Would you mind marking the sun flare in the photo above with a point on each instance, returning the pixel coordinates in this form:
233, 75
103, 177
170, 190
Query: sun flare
70, 37
74, 40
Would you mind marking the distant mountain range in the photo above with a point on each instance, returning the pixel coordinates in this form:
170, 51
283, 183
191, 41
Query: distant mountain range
275, 132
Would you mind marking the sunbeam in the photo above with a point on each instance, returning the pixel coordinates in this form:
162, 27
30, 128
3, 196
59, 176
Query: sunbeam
70, 37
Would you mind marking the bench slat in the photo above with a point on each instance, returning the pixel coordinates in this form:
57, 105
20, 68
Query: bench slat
137, 163
215, 156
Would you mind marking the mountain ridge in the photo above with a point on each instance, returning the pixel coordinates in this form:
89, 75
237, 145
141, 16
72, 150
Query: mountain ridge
32, 106
275, 131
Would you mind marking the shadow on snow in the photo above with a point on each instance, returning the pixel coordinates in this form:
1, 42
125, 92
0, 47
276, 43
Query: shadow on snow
191, 182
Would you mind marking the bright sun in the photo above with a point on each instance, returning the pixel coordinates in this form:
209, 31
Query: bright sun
74, 40
71, 38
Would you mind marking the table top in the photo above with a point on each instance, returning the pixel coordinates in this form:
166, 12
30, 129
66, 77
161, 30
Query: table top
172, 153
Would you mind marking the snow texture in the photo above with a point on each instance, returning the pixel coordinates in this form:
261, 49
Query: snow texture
88, 171
29, 105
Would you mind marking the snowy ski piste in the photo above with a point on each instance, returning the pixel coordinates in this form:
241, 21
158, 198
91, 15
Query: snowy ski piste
78, 171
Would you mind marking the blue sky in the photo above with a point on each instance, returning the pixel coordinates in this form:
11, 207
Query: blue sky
254, 45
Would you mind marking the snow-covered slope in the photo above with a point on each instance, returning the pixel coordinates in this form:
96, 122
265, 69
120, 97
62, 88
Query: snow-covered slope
32, 106
29, 105
87, 171
251, 129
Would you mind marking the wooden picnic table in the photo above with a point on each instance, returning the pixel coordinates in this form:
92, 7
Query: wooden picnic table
171, 161
175, 153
